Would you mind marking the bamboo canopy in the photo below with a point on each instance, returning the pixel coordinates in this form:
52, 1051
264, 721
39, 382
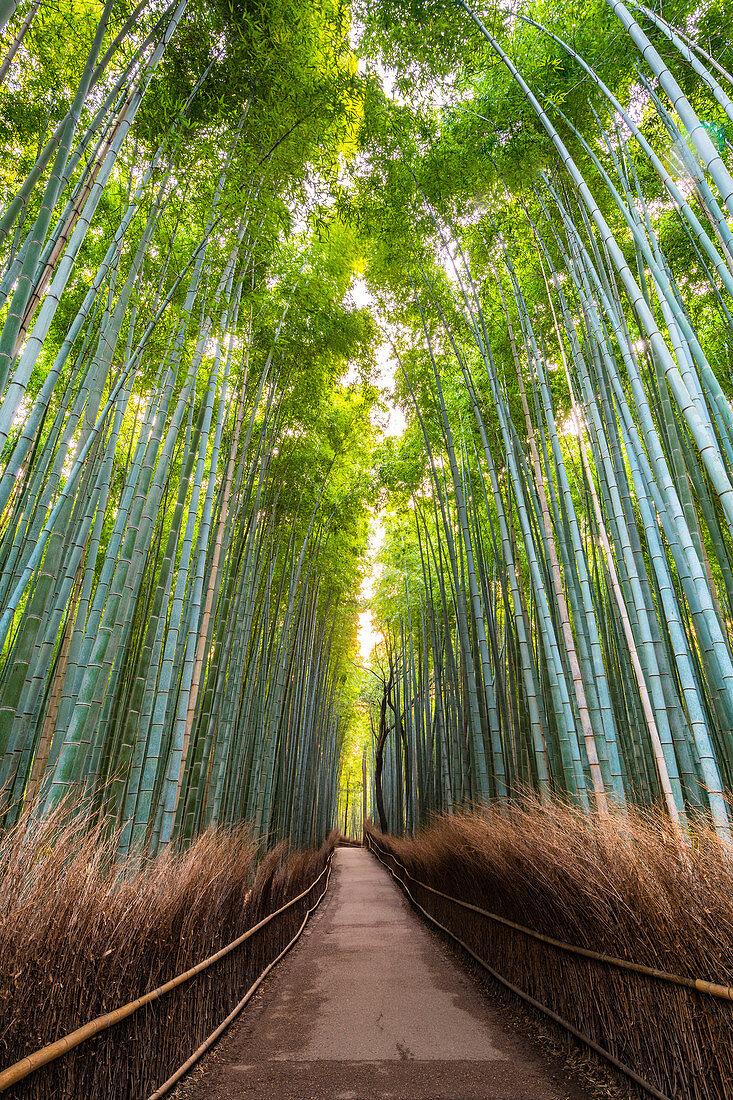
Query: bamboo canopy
189, 437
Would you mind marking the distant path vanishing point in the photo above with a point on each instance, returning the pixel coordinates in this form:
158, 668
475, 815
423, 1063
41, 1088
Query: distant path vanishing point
369, 1006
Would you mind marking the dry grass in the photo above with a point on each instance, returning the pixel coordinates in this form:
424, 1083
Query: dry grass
80, 935
623, 887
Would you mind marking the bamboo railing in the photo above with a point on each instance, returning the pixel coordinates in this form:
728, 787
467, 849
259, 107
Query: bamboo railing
698, 985
53, 1051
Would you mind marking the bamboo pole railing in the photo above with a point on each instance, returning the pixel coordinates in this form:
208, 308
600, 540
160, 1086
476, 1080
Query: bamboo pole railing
53, 1051
207, 1044
606, 1054
713, 989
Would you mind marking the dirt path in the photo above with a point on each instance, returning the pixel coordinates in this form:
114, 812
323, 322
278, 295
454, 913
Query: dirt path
367, 1006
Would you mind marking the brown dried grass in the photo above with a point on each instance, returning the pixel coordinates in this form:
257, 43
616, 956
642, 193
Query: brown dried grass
622, 886
81, 935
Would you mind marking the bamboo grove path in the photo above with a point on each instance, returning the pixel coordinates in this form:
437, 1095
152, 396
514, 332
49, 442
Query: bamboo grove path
368, 1005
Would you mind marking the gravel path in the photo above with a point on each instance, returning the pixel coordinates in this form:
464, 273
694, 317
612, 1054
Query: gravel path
367, 1006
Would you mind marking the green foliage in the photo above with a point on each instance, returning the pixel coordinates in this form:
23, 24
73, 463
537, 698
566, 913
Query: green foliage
188, 424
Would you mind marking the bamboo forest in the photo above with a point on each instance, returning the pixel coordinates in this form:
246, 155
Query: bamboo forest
366, 480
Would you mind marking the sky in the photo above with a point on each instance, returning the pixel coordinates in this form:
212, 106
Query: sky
393, 425
367, 635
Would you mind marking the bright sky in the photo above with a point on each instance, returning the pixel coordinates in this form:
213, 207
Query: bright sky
367, 635
394, 425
